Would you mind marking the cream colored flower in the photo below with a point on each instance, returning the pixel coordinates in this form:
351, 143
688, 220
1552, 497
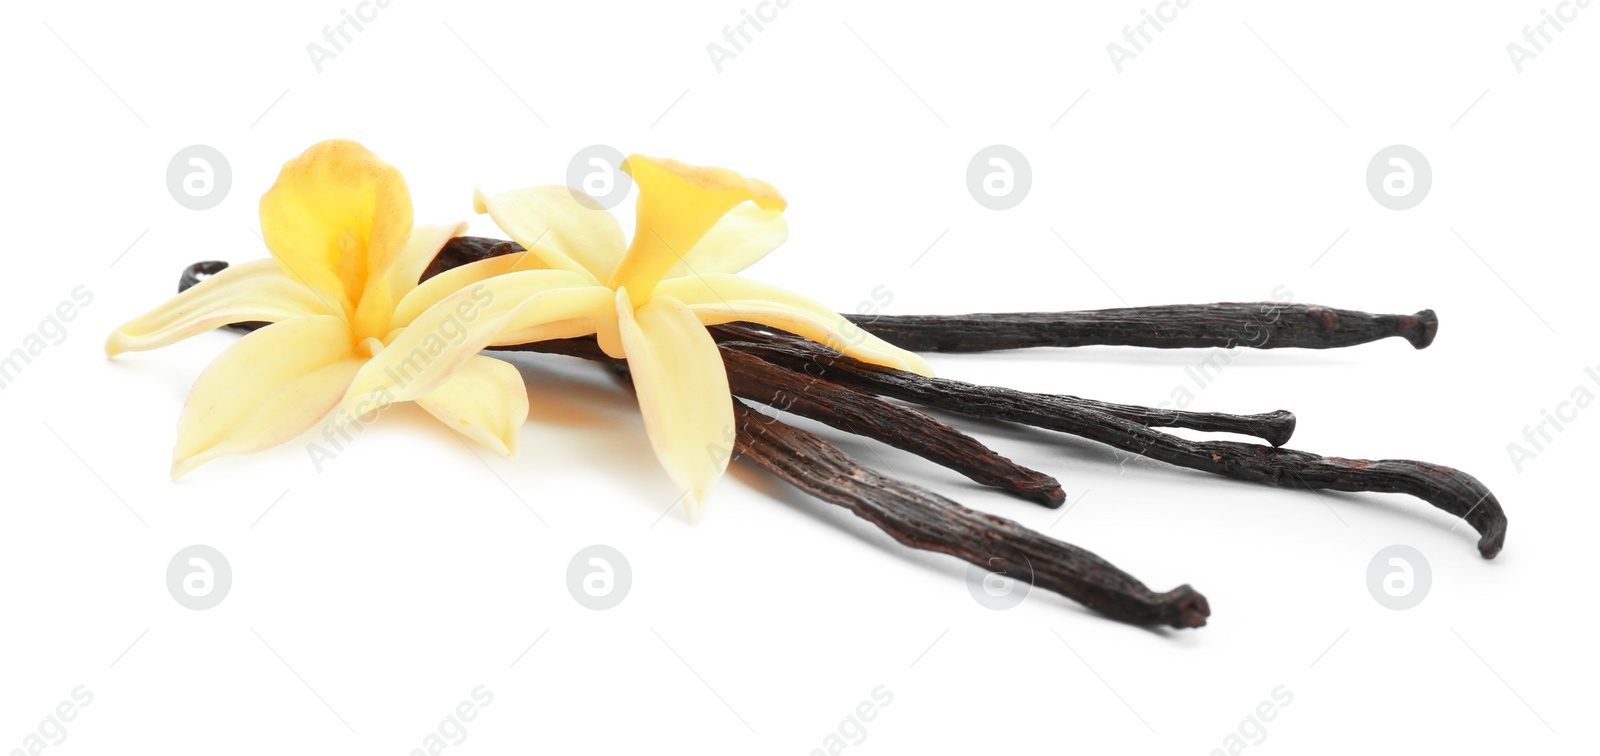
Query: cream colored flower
345, 256
648, 302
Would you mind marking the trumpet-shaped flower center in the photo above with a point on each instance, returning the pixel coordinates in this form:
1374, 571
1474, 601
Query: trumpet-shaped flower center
352, 265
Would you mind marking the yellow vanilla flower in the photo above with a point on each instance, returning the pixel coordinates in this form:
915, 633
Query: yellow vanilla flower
345, 257
648, 302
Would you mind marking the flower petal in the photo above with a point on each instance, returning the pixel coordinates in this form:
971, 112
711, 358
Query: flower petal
683, 393
255, 290
375, 313
718, 298
336, 214
677, 205
484, 400
746, 234
429, 292
268, 388
422, 356
562, 226
421, 247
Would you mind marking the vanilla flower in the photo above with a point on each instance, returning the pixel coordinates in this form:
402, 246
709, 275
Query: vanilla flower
648, 301
345, 258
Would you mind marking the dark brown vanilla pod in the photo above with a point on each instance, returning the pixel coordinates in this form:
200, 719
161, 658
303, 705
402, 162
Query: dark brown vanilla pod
1448, 489
1272, 426
925, 520
865, 414
1255, 325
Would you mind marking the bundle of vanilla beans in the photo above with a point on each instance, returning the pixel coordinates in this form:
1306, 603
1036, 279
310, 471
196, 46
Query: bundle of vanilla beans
794, 375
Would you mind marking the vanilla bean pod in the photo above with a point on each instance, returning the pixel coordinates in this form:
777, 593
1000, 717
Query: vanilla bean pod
921, 519
1274, 427
1256, 325
1448, 489
865, 414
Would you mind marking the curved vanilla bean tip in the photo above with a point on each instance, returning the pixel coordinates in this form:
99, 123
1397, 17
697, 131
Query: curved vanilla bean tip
924, 520
1419, 329
1253, 325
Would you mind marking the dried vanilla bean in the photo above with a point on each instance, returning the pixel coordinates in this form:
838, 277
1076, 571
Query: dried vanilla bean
925, 520
1448, 489
865, 414
1256, 325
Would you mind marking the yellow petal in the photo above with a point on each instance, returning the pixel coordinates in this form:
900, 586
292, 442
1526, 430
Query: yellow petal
429, 292
374, 316
485, 400
677, 205
421, 247
268, 388
746, 234
336, 213
255, 290
561, 226
718, 298
683, 393
421, 357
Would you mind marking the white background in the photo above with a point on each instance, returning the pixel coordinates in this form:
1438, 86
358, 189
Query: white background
1224, 162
